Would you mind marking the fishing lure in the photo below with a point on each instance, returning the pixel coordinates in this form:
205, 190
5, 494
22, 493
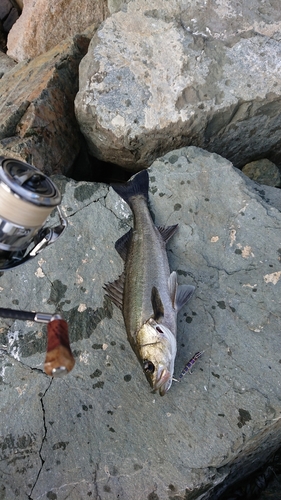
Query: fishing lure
190, 364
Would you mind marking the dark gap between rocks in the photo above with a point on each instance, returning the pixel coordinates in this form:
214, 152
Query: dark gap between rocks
263, 484
91, 169
9, 14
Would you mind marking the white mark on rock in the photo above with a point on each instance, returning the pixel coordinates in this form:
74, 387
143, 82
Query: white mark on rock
39, 273
79, 279
232, 236
84, 357
122, 208
272, 278
214, 239
118, 121
12, 338
247, 252
249, 285
243, 209
21, 390
104, 346
82, 308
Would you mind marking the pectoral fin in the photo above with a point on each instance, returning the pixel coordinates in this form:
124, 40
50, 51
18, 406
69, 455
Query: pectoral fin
180, 294
115, 291
157, 304
184, 294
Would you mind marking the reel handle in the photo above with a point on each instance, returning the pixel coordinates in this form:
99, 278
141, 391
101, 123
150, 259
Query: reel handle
59, 359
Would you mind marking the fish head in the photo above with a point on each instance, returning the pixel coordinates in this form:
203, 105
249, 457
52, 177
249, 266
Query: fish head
157, 349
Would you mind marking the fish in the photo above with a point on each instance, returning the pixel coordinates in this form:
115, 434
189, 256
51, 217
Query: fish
147, 292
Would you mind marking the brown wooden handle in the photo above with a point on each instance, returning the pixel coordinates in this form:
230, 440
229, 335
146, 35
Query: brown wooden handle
59, 358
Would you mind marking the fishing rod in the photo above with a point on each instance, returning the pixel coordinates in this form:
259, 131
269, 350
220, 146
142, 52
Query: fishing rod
59, 359
27, 198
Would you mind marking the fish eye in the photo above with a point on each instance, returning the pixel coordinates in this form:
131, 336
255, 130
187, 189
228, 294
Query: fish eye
148, 366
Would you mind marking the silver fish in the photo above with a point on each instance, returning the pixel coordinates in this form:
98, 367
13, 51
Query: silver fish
146, 292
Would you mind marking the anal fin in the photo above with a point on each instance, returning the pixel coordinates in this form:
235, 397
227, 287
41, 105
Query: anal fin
180, 294
184, 294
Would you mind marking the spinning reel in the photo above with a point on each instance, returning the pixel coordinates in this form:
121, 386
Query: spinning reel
27, 197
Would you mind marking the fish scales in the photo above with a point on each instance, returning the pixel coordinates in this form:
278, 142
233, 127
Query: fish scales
146, 292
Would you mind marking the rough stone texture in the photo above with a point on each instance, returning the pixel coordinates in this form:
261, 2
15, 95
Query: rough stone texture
42, 25
100, 432
6, 63
161, 75
269, 194
263, 171
37, 120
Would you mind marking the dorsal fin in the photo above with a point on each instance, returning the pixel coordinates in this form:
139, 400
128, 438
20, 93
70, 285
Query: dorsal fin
167, 232
122, 244
115, 291
157, 304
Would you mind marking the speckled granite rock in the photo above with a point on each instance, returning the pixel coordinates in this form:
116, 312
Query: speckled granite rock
100, 432
160, 75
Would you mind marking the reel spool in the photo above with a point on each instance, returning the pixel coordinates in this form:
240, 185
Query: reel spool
27, 197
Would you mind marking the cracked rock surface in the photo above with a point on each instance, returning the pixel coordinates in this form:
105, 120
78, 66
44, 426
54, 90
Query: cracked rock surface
100, 433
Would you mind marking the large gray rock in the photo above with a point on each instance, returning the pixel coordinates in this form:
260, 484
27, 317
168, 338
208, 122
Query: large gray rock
160, 75
100, 432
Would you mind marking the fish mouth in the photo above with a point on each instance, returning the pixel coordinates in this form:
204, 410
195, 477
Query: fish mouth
163, 382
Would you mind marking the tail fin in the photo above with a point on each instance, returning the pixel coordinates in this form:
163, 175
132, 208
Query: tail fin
138, 185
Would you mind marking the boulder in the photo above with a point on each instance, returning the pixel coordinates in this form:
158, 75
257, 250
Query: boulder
37, 120
160, 75
100, 432
42, 25
263, 171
